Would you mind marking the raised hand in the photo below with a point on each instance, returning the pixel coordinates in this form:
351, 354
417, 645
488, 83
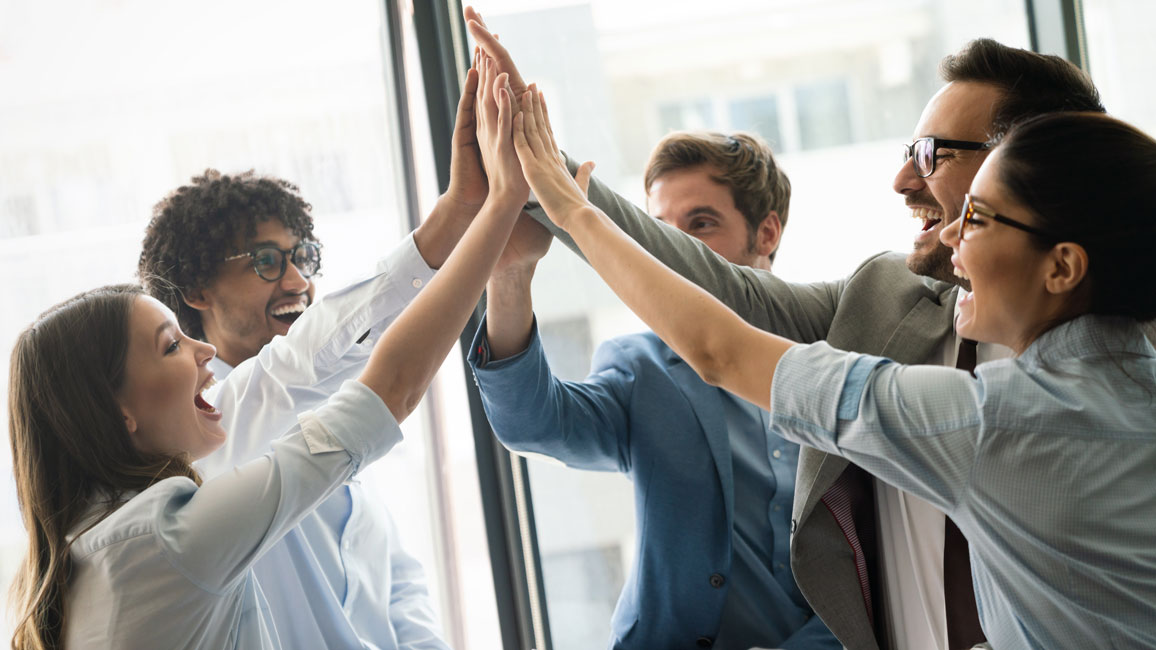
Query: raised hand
468, 186
494, 113
489, 43
544, 166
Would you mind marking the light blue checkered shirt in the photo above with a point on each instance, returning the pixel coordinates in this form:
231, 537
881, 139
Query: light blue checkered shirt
1047, 462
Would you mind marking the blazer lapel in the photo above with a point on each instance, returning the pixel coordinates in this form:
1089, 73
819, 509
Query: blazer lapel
922, 330
706, 402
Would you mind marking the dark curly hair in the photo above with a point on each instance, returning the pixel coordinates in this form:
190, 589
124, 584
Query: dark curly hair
197, 226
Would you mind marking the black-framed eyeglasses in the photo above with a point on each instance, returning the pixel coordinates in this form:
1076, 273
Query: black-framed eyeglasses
970, 209
925, 152
271, 262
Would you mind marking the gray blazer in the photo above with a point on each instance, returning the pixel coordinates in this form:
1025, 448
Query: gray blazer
881, 308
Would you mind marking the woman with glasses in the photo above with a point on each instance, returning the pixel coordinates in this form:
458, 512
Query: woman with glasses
1045, 461
128, 548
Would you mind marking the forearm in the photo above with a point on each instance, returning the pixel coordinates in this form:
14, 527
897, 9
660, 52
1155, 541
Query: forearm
437, 236
509, 312
410, 352
719, 345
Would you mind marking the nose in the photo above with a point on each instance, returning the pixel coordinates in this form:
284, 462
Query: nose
950, 235
907, 181
293, 281
205, 352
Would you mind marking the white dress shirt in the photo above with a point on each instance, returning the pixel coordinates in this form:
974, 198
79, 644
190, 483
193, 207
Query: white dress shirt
340, 579
911, 544
172, 567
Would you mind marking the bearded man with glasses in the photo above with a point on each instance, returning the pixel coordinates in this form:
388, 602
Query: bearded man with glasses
882, 568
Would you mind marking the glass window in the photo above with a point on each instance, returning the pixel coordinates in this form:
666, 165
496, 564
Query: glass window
834, 85
823, 109
760, 115
108, 106
1120, 53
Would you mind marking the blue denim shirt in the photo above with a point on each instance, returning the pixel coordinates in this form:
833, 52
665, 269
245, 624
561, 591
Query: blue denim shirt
1046, 462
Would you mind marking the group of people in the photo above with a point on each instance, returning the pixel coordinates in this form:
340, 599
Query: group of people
948, 449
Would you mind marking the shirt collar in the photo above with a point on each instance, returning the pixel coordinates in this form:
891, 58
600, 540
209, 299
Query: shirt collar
1088, 335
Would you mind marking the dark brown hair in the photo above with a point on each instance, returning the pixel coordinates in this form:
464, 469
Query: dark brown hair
1088, 178
197, 226
72, 456
1031, 83
743, 162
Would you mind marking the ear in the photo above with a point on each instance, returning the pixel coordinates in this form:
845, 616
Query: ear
769, 232
129, 420
1067, 268
196, 299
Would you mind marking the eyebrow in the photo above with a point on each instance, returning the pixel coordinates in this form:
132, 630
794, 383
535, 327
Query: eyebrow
163, 326
703, 209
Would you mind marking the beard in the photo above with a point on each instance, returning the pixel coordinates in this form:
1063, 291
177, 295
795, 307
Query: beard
935, 264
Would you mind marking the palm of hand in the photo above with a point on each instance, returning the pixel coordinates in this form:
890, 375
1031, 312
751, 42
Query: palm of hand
528, 243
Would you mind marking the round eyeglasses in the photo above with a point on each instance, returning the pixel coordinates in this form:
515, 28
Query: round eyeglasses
270, 262
925, 152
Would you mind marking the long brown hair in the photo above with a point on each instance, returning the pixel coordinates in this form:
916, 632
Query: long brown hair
71, 451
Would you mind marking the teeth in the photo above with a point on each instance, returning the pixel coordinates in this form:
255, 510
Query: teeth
295, 308
960, 274
209, 384
925, 214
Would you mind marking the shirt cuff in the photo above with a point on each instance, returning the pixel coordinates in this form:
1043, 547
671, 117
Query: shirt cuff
814, 387
406, 263
479, 357
354, 420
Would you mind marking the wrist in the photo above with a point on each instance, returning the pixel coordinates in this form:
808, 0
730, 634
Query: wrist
453, 207
578, 216
504, 196
514, 277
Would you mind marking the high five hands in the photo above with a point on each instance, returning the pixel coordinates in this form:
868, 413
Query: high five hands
542, 163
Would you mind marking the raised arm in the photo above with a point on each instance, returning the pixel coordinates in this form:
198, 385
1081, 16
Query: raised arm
254, 505
404, 361
457, 207
719, 345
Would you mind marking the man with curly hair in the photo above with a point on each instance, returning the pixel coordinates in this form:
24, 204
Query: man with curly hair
233, 257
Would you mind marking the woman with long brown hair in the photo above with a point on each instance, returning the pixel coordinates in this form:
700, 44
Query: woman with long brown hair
127, 547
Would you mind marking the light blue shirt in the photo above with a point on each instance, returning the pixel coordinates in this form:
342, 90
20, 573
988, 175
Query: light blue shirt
764, 606
340, 579
1046, 462
172, 566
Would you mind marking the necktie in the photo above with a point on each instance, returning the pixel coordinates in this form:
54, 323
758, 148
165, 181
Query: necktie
963, 630
838, 499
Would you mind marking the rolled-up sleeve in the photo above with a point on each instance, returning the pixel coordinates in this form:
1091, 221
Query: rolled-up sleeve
340, 425
215, 533
915, 427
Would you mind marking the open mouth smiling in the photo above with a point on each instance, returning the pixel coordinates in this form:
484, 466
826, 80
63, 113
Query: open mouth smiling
200, 402
288, 313
930, 218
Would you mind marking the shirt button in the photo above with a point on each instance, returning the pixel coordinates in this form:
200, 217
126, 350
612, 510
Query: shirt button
717, 581
777, 453
778, 507
704, 642
780, 566
416, 283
